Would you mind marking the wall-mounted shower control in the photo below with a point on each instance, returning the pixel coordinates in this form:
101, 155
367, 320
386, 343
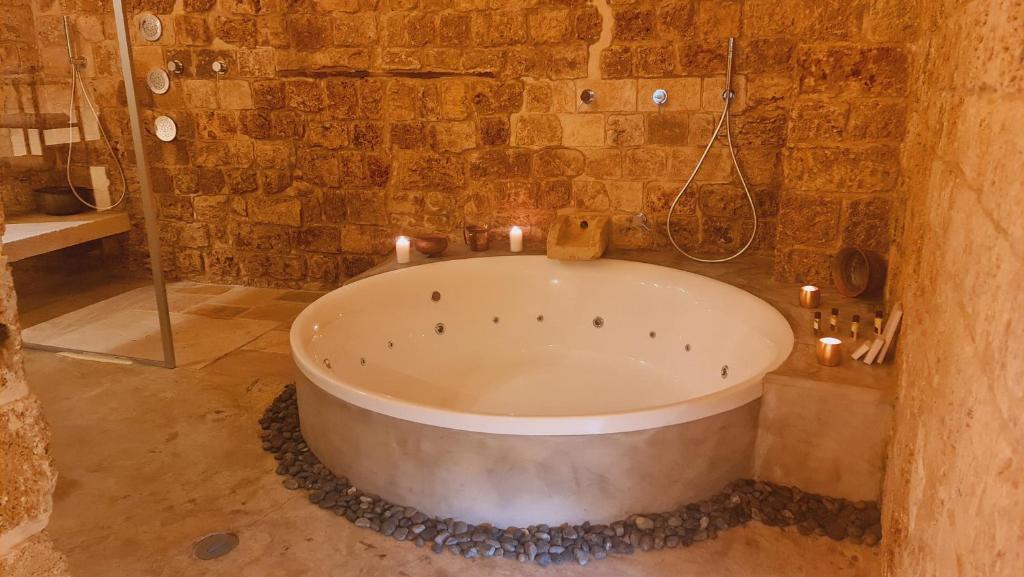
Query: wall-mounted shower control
588, 96
660, 96
175, 67
219, 67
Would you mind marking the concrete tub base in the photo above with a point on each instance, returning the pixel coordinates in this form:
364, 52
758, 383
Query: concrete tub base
519, 480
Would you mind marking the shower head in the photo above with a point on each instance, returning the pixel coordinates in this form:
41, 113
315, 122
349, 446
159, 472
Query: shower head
74, 62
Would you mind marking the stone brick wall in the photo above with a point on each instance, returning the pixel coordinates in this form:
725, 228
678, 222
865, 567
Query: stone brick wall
27, 474
954, 498
342, 123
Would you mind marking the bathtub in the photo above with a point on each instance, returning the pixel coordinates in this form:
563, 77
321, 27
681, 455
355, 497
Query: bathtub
520, 390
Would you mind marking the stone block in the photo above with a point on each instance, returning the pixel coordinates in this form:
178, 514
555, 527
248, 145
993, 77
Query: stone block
366, 239
714, 86
568, 61
818, 121
319, 238
809, 220
492, 97
27, 468
809, 20
655, 61
536, 130
358, 29
366, 207
305, 95
802, 265
234, 94
866, 223
877, 120
723, 200
494, 130
558, 162
308, 32
624, 130
643, 162
408, 135
590, 195
275, 210
192, 30
499, 163
718, 20
762, 127
453, 29
853, 70
268, 94
603, 163
200, 93
683, 94
452, 136
871, 169
582, 129
587, 24
320, 166
429, 170
550, 26
617, 62
237, 31
632, 23
498, 28
611, 95
328, 133
668, 128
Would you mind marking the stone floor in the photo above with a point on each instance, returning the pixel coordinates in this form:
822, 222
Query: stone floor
151, 459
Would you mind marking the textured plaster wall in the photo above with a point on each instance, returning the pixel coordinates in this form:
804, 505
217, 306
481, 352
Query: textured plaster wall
27, 474
342, 123
954, 493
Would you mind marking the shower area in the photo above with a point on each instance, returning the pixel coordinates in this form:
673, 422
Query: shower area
80, 230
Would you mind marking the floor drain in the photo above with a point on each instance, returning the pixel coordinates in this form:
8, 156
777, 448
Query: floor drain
214, 545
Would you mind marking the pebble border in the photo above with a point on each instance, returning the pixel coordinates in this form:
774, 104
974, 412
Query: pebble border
741, 501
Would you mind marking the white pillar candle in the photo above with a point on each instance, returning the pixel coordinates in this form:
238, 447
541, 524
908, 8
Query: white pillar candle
402, 249
515, 239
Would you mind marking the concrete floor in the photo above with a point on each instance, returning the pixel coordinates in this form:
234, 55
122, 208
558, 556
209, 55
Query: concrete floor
151, 459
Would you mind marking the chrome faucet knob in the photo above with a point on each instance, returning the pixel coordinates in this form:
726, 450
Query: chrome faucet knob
660, 96
588, 96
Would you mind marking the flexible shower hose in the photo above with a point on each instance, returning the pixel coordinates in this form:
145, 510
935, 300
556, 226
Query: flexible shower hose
76, 78
727, 97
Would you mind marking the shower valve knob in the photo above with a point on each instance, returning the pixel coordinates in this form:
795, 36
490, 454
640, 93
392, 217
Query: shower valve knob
660, 96
220, 67
175, 66
588, 96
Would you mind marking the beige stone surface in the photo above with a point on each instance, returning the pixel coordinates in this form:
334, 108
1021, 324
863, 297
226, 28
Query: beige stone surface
36, 557
331, 113
520, 480
954, 500
182, 458
824, 438
27, 473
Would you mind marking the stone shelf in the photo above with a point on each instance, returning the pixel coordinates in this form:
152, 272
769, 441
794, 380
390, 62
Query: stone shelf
34, 234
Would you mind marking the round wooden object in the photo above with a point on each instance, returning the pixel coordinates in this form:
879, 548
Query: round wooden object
857, 272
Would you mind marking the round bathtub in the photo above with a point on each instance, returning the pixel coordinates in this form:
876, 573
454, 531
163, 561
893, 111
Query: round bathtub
520, 390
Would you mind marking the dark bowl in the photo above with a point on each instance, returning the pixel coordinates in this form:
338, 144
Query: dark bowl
430, 246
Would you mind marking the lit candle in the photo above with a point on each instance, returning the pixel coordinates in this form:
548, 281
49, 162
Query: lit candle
515, 239
830, 353
402, 249
810, 297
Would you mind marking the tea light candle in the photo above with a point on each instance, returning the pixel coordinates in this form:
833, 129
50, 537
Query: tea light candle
402, 249
515, 239
810, 297
830, 353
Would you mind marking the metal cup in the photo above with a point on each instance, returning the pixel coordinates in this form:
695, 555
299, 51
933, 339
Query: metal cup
477, 238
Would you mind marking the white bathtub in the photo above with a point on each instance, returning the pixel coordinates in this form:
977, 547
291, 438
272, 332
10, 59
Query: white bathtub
520, 351
519, 390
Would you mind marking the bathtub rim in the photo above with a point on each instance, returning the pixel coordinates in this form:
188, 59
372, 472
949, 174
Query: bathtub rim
719, 401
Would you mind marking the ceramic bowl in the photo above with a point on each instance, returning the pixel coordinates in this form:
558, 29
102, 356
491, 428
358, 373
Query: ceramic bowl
430, 246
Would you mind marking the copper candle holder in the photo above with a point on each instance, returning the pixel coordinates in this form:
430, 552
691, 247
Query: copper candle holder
830, 352
810, 297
